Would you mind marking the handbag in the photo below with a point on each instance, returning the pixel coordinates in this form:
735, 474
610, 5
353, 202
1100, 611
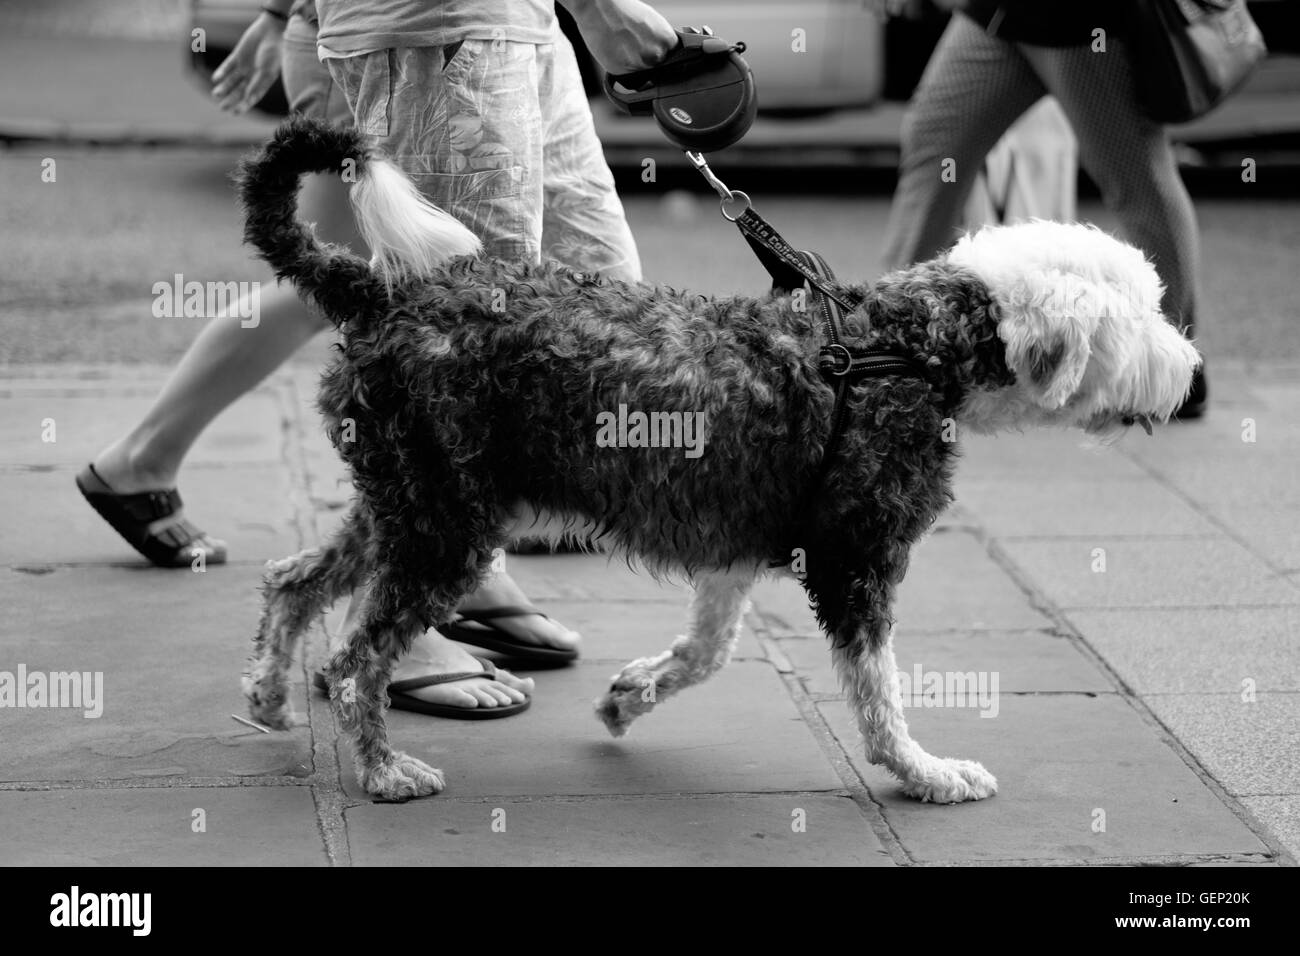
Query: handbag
1190, 55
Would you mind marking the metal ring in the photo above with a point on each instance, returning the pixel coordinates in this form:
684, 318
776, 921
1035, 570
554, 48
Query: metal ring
737, 195
848, 359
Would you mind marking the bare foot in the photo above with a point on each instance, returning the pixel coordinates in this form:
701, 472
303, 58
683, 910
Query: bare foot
431, 653
500, 589
127, 476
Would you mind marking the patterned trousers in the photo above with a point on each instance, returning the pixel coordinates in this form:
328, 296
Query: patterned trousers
976, 86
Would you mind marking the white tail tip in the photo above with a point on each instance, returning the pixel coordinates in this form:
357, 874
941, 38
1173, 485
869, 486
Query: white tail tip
409, 237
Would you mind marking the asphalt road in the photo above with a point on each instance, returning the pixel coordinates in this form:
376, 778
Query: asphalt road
80, 254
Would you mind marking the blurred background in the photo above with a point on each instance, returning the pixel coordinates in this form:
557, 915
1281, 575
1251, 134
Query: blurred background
112, 92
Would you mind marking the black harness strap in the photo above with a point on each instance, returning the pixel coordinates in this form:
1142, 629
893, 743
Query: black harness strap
841, 364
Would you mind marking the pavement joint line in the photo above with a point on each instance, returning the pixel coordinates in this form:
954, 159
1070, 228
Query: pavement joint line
327, 789
1162, 479
1009, 631
68, 467
1180, 859
1180, 607
174, 782
1040, 602
1113, 537
47, 567
563, 798
857, 787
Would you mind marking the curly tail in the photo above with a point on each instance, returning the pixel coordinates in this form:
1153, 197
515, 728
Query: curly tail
408, 236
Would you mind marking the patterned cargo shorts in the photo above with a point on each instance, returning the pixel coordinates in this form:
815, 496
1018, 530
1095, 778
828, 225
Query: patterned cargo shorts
500, 135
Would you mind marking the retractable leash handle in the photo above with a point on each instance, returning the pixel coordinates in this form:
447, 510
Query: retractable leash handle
702, 94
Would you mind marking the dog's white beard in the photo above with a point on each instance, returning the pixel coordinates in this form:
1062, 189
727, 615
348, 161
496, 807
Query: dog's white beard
1081, 320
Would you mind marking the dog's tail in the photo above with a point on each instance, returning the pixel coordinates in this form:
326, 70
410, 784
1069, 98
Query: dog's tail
408, 236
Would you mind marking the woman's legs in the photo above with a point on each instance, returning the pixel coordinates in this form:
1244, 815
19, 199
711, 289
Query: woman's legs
973, 89
224, 361
1130, 158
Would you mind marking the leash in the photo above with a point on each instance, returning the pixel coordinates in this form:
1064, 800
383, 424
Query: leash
790, 269
705, 77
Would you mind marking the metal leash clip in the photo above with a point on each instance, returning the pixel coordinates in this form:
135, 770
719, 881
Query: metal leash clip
726, 195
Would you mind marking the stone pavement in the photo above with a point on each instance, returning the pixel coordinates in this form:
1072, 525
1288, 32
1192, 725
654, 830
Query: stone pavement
1137, 607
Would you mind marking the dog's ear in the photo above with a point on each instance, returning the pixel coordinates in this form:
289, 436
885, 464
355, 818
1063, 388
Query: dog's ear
1047, 351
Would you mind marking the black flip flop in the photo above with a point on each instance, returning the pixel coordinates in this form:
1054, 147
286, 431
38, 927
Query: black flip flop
400, 700
131, 515
476, 629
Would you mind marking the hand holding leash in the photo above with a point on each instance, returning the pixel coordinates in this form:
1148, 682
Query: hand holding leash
701, 94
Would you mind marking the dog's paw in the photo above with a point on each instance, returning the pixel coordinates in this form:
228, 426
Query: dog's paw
400, 776
269, 702
945, 780
630, 694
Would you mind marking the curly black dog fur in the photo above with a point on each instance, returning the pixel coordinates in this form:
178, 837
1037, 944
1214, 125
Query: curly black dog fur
470, 396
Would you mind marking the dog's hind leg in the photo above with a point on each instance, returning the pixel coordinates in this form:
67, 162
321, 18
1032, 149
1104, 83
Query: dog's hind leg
295, 591
716, 612
358, 675
430, 562
862, 646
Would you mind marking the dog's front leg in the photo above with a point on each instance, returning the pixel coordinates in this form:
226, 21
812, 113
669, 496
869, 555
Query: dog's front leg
863, 652
358, 675
716, 611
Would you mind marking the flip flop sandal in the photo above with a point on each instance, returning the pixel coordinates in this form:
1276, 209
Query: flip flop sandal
476, 629
400, 700
130, 516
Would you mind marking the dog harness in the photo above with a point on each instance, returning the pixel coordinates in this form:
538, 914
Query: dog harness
841, 364
702, 96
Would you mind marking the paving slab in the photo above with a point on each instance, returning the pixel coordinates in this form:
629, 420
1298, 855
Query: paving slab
1272, 530
87, 420
612, 632
1021, 507
619, 632
1187, 572
154, 826
250, 507
1210, 650
585, 577
1024, 661
721, 830
1058, 760
1281, 814
952, 583
170, 645
1251, 747
738, 733
1043, 454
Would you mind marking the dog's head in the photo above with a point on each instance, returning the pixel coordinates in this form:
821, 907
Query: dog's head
1081, 322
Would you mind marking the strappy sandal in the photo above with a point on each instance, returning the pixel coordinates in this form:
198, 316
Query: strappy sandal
476, 629
170, 546
399, 699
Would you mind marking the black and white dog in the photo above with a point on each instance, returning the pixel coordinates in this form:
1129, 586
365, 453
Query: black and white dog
476, 390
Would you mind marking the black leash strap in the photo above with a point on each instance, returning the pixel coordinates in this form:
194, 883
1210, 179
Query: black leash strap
788, 267
840, 363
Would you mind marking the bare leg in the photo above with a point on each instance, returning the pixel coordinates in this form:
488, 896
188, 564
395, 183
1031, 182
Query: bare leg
224, 362
717, 608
